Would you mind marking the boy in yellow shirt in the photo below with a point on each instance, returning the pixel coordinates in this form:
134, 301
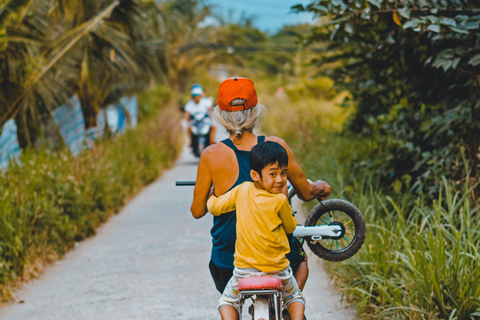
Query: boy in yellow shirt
264, 217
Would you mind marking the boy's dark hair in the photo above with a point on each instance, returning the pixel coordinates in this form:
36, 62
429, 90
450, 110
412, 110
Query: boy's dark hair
266, 153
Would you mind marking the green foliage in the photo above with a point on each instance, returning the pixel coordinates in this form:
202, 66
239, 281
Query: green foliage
52, 200
279, 54
152, 100
238, 44
420, 259
308, 115
317, 88
419, 263
99, 50
413, 71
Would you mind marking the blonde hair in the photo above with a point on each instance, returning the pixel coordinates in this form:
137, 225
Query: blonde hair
237, 122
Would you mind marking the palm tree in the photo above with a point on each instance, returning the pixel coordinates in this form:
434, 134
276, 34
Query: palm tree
98, 49
26, 29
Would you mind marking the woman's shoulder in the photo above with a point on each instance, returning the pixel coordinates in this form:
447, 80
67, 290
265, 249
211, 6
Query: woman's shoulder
214, 152
215, 148
276, 139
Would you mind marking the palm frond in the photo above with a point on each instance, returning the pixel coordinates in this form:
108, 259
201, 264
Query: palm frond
55, 57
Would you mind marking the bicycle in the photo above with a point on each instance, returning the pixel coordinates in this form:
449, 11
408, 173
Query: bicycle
334, 230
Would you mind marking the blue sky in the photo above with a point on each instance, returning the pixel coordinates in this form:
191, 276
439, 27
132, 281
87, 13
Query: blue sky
270, 15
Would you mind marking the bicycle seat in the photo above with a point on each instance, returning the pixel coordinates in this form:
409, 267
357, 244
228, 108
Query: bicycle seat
260, 283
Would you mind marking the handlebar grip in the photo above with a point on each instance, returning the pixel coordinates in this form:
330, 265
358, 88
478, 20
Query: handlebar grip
184, 183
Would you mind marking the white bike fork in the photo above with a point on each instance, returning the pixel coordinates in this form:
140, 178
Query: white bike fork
261, 308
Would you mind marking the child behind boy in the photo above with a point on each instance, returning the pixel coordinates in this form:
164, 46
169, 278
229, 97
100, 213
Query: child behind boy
264, 217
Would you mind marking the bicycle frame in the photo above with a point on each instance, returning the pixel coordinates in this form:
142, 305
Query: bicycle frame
261, 301
318, 232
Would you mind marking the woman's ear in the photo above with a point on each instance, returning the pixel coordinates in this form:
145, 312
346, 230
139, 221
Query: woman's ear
255, 176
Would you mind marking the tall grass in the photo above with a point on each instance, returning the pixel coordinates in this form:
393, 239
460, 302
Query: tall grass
52, 199
420, 259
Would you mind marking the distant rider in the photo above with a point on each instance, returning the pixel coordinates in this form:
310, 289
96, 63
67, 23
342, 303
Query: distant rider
199, 104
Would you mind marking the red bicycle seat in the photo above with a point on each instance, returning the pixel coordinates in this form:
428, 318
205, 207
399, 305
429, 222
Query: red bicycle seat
260, 283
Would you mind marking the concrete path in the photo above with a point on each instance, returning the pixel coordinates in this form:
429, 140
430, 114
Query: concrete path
148, 262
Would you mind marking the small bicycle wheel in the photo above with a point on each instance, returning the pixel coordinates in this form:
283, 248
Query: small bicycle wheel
351, 221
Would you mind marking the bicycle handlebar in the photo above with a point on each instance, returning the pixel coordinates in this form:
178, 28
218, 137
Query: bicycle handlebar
291, 190
184, 183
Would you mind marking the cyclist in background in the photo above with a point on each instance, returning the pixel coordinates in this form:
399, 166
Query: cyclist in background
199, 103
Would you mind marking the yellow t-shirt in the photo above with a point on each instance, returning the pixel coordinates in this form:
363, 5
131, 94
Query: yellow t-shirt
263, 221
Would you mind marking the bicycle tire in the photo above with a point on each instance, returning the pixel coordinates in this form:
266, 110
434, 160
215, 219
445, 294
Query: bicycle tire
355, 215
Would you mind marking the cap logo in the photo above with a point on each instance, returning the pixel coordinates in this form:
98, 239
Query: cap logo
237, 108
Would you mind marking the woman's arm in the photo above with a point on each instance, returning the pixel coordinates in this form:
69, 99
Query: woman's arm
305, 190
202, 186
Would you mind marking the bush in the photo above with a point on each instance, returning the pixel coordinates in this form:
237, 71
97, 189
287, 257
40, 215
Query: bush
420, 259
52, 199
318, 88
412, 73
419, 263
152, 100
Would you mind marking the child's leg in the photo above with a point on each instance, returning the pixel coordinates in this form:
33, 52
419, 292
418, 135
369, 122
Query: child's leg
228, 304
229, 312
292, 295
299, 264
296, 310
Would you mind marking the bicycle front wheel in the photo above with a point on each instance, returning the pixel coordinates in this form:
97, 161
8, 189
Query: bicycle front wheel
348, 218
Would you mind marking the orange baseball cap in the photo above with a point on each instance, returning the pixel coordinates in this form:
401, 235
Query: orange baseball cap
234, 88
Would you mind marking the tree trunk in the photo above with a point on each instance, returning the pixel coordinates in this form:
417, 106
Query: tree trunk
27, 129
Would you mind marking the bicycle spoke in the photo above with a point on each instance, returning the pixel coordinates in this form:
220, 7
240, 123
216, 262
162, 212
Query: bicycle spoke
323, 221
336, 244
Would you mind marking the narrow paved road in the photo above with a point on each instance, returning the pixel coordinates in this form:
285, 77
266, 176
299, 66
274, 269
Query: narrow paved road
148, 262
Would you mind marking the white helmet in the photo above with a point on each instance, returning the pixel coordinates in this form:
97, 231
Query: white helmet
196, 91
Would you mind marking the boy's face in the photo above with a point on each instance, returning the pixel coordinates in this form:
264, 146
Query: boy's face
273, 178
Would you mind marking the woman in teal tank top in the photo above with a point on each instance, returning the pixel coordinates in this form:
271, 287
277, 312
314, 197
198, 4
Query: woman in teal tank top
226, 164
